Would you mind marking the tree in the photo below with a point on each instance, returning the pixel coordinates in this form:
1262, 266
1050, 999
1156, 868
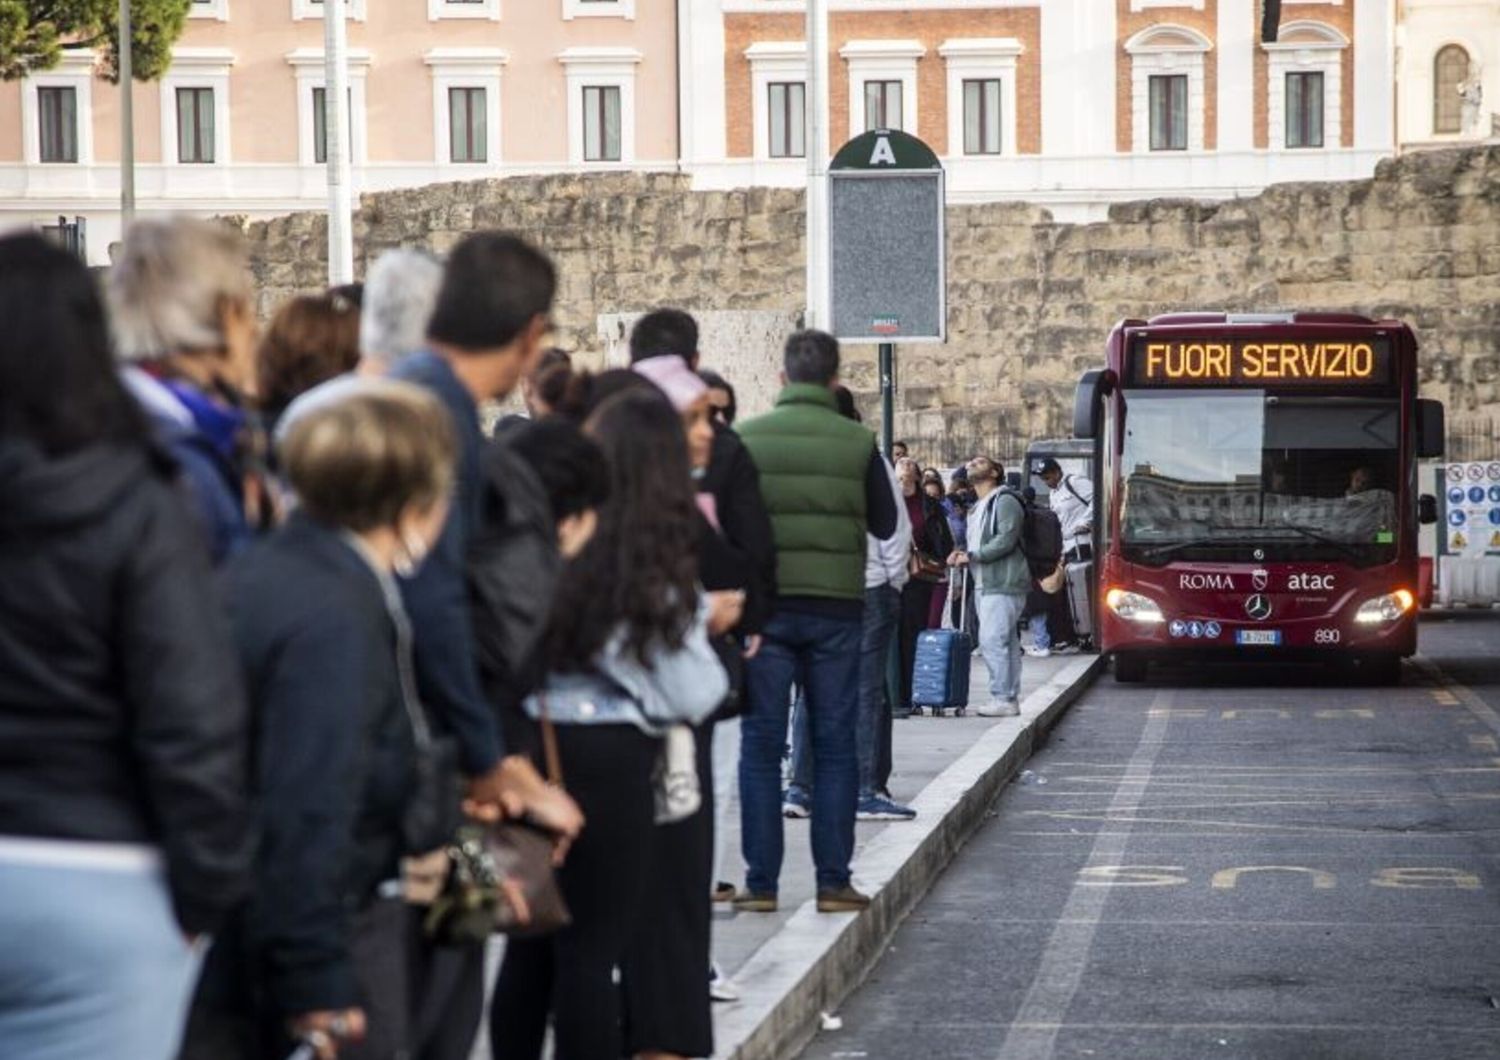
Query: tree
33, 34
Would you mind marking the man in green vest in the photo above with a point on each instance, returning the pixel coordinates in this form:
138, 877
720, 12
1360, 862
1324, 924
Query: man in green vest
826, 487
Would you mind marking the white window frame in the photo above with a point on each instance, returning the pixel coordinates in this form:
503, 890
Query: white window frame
217, 10
1137, 6
75, 71
882, 60
1324, 55
302, 10
599, 9
773, 62
197, 68
308, 65
1162, 50
981, 59
600, 68
487, 10
466, 68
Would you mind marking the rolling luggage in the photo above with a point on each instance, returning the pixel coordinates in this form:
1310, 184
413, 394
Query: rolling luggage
1079, 605
940, 673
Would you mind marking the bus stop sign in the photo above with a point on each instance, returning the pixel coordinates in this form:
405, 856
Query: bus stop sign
887, 281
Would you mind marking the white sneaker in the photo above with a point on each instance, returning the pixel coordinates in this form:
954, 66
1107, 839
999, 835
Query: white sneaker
720, 988
1039, 653
1005, 708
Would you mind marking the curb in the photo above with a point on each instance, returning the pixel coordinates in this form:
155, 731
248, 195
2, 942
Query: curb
816, 960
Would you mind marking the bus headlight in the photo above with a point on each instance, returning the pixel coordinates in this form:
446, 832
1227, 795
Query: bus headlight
1133, 606
1385, 608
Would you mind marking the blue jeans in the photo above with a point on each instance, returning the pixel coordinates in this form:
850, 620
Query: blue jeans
93, 965
823, 653
1041, 639
1000, 642
872, 737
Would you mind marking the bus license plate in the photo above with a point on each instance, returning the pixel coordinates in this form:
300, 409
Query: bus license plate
1257, 636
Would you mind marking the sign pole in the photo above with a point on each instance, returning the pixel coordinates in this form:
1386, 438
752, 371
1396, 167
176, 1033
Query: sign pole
887, 399
336, 129
127, 120
816, 145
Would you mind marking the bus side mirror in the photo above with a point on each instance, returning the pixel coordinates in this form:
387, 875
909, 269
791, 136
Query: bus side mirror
1087, 401
1430, 430
1427, 509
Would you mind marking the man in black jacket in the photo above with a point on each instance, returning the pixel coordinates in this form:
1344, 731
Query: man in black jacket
486, 332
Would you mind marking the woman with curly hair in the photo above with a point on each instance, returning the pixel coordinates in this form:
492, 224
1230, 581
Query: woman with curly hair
628, 655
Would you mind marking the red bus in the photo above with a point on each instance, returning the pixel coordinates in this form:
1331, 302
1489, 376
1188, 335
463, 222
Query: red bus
1256, 492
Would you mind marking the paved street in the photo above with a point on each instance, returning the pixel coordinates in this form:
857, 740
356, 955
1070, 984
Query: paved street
1232, 864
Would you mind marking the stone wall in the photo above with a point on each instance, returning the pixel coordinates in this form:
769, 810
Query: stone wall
1030, 301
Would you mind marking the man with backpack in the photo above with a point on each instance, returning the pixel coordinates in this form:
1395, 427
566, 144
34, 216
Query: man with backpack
1002, 578
1072, 498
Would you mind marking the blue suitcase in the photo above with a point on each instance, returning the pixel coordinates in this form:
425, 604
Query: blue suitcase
940, 675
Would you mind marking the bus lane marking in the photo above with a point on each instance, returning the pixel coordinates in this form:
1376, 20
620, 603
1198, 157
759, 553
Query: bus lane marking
1033, 1032
1459, 691
1485, 744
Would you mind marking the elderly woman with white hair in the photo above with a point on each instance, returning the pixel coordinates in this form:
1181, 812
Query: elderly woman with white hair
184, 325
400, 292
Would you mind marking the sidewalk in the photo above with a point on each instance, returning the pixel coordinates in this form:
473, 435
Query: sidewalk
792, 965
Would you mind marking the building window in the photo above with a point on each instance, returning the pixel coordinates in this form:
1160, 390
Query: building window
982, 117
1169, 112
980, 76
1168, 93
601, 123
320, 123
882, 105
195, 125
467, 140
1304, 109
471, 9
598, 9
787, 111
305, 9
57, 123
214, 9
1449, 72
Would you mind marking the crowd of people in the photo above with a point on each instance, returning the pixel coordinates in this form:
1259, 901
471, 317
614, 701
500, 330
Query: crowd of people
286, 636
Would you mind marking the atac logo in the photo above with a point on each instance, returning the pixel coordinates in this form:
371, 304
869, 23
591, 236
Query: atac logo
1223, 582
1309, 582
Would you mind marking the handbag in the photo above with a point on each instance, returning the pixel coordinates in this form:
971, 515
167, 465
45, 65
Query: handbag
502, 878
924, 568
521, 855
1052, 584
678, 794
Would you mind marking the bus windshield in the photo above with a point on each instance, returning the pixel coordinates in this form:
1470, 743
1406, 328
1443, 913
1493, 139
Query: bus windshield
1249, 475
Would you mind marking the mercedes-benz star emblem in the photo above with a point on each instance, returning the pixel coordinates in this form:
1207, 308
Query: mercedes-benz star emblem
1258, 607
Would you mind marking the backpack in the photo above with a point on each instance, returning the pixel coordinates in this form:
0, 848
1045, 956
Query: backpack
1041, 540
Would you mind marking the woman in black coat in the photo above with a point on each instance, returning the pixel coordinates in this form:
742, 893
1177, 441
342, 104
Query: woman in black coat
318, 951
123, 822
933, 541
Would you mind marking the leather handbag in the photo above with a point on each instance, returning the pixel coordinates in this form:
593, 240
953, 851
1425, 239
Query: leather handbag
924, 568
521, 855
501, 879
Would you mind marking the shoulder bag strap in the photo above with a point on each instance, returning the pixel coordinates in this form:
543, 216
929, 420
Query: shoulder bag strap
549, 744
1068, 485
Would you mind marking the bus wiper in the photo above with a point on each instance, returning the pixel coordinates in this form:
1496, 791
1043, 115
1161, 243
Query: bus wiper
1323, 539
1174, 547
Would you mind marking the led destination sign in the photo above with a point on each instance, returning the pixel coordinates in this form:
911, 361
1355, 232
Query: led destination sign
1260, 362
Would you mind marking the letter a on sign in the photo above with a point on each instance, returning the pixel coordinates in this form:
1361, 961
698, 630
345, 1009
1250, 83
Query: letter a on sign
883, 155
